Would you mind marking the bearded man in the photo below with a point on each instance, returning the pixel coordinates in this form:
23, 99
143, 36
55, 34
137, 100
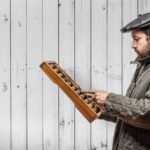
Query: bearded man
132, 111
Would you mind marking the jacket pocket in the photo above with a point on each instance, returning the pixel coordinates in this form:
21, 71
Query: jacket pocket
142, 139
129, 139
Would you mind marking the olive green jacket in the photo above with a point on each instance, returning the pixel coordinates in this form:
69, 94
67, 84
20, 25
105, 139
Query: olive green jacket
131, 112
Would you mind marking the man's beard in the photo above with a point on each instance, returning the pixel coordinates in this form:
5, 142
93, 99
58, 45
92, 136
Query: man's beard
145, 53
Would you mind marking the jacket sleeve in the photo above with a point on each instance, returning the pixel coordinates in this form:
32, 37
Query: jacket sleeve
130, 110
107, 116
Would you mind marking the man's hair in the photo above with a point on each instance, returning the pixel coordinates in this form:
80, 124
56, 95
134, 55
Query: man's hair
146, 31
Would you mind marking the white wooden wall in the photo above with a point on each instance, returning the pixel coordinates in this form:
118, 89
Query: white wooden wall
84, 37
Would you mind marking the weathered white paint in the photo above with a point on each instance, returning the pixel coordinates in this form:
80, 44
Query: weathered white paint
142, 6
114, 52
5, 95
84, 37
129, 13
99, 62
18, 74
50, 90
82, 68
34, 75
66, 60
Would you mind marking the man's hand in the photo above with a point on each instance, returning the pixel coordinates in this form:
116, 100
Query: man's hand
99, 96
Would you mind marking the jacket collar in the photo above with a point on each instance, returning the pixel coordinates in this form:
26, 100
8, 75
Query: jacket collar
145, 60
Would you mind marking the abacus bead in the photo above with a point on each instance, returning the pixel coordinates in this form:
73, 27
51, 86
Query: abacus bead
70, 83
61, 75
78, 92
53, 66
82, 96
57, 70
74, 88
96, 109
92, 104
87, 101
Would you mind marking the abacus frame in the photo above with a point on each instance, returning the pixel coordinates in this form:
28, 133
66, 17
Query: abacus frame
86, 107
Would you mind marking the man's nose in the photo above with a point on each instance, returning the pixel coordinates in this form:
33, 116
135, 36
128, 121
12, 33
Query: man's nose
134, 45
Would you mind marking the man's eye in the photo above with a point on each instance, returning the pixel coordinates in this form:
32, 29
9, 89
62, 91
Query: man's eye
136, 40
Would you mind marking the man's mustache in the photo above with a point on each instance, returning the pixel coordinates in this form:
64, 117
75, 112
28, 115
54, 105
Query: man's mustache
136, 50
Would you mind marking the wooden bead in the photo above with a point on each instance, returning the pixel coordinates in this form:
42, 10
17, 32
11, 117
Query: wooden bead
53, 66
96, 109
65, 79
70, 84
61, 75
78, 92
74, 88
92, 104
82, 96
57, 70
88, 100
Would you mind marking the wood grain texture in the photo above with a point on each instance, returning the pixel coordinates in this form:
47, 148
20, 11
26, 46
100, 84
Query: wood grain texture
99, 66
82, 67
50, 91
128, 54
114, 56
84, 104
34, 76
18, 74
5, 76
66, 60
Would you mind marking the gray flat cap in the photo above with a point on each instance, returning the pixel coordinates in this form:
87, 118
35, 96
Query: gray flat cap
142, 21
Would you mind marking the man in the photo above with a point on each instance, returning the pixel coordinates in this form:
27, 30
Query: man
131, 112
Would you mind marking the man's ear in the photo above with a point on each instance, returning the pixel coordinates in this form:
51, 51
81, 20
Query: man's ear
148, 38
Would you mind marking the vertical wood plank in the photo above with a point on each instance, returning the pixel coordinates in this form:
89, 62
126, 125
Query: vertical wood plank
114, 74
148, 6
5, 142
34, 75
66, 60
18, 75
142, 6
50, 91
82, 68
42, 127
99, 66
129, 13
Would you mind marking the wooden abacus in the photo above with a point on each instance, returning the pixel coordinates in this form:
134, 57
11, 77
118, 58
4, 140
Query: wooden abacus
84, 104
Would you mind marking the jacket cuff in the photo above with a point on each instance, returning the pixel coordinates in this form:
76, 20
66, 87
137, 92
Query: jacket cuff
111, 100
107, 116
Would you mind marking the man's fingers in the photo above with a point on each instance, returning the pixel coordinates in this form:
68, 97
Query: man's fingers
90, 95
99, 102
88, 91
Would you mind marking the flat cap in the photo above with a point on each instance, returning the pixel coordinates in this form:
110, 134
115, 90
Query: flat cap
142, 21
